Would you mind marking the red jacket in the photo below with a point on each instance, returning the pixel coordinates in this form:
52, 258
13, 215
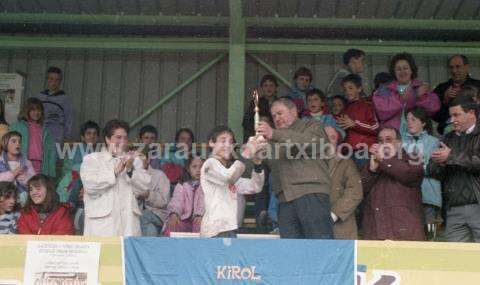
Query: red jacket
58, 222
366, 124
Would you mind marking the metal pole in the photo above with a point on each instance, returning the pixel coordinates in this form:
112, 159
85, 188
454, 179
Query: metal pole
118, 19
114, 43
271, 70
375, 24
177, 89
236, 69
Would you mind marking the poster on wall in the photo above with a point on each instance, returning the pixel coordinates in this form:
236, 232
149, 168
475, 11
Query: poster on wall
49, 262
11, 89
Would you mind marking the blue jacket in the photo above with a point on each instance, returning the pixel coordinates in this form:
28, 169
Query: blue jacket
431, 188
327, 120
58, 114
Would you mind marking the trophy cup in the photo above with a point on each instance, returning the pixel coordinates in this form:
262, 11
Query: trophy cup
256, 116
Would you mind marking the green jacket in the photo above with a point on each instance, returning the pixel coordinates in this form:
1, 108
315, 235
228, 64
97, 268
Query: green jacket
49, 160
293, 173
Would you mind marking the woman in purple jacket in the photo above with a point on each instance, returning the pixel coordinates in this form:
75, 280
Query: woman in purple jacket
394, 100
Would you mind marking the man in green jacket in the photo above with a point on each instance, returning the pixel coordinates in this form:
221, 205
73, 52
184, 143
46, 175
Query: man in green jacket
300, 172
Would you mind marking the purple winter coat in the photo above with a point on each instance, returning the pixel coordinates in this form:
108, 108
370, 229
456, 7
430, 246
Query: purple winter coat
186, 202
389, 103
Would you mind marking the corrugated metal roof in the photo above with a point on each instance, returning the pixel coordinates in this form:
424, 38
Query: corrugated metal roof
404, 9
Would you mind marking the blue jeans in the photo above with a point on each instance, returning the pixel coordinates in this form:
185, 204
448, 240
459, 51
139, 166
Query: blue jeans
307, 217
150, 223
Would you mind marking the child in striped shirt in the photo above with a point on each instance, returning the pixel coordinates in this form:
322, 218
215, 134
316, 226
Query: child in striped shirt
8, 207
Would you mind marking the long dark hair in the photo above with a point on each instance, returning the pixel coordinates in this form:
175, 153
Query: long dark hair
186, 174
422, 115
52, 200
7, 190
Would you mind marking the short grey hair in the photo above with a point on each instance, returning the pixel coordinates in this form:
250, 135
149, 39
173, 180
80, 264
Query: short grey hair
286, 101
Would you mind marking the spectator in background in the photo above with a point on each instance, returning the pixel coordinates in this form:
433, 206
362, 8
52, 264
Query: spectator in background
148, 135
339, 102
108, 211
353, 63
456, 164
154, 201
89, 136
358, 120
392, 191
44, 214
302, 83
317, 109
70, 187
267, 93
3, 123
459, 69
186, 208
37, 144
470, 91
174, 158
346, 191
418, 141
14, 167
57, 106
381, 81
403, 94
8, 208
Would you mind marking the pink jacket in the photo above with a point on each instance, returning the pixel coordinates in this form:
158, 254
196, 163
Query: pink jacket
389, 103
186, 202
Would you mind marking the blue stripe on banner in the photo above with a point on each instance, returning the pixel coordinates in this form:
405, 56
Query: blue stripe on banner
238, 261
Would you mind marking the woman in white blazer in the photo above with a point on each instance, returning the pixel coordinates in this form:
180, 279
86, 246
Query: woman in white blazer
112, 179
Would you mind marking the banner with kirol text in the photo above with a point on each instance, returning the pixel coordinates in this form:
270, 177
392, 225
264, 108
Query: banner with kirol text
238, 261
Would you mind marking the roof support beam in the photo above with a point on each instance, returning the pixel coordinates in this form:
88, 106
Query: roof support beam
266, 22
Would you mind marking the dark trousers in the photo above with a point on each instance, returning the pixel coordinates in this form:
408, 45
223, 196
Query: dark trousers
307, 217
228, 234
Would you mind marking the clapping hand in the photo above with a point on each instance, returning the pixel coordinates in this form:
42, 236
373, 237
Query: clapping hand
441, 154
345, 122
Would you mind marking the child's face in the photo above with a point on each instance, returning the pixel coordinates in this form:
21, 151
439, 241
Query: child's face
414, 125
269, 89
184, 141
223, 146
351, 91
90, 136
118, 142
14, 145
53, 81
148, 138
7, 203
38, 193
315, 103
195, 167
356, 64
35, 114
337, 106
302, 82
